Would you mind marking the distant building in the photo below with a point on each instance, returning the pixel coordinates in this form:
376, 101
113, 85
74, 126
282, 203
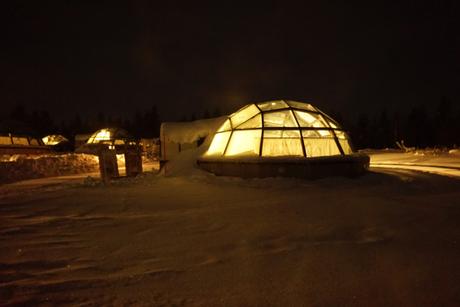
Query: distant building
11, 144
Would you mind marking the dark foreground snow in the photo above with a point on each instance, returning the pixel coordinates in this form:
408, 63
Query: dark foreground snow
389, 238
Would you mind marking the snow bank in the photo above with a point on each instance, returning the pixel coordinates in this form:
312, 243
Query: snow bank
184, 164
189, 132
21, 167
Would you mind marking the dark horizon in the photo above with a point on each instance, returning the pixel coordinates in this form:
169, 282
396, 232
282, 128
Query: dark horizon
81, 58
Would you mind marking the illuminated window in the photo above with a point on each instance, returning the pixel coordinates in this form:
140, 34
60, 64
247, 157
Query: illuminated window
243, 115
111, 136
279, 119
307, 119
255, 122
102, 135
282, 143
244, 143
226, 126
282, 128
20, 141
218, 144
5, 140
272, 105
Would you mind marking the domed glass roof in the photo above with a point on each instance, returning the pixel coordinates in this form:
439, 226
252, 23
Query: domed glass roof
279, 128
116, 136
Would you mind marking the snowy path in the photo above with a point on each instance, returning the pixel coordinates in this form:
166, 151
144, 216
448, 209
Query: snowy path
444, 165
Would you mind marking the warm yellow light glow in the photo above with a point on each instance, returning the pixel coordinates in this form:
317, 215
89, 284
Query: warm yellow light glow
288, 129
121, 159
318, 147
225, 126
345, 147
280, 119
272, 105
305, 119
102, 135
5, 140
20, 141
255, 122
244, 115
52, 139
219, 142
244, 143
332, 124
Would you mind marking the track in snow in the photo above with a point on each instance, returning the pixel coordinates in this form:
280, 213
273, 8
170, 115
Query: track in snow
448, 171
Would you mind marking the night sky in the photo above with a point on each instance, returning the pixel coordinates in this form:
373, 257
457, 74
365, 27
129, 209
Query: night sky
81, 57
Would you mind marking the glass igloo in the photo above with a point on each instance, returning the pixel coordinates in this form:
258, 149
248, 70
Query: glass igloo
281, 137
279, 128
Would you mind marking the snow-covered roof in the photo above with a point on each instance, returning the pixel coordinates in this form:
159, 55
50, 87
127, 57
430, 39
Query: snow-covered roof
189, 132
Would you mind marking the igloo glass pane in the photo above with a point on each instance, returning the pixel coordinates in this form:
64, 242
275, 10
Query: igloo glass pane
318, 147
320, 133
20, 141
345, 146
341, 135
244, 143
225, 126
255, 122
243, 115
307, 119
5, 140
279, 119
282, 133
333, 124
272, 105
281, 143
218, 144
301, 105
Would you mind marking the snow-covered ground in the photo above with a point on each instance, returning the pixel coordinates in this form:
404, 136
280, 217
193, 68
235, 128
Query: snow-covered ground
186, 237
441, 163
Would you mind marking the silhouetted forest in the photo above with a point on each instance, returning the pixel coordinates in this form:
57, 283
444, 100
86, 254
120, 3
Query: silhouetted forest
437, 126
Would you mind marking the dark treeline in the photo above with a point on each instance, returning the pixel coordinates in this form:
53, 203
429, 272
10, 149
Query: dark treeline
436, 126
144, 123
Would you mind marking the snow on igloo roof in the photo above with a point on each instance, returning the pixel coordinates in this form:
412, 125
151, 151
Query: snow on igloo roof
279, 128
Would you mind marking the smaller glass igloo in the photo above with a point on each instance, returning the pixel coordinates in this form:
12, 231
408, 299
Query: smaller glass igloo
281, 137
279, 128
111, 136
